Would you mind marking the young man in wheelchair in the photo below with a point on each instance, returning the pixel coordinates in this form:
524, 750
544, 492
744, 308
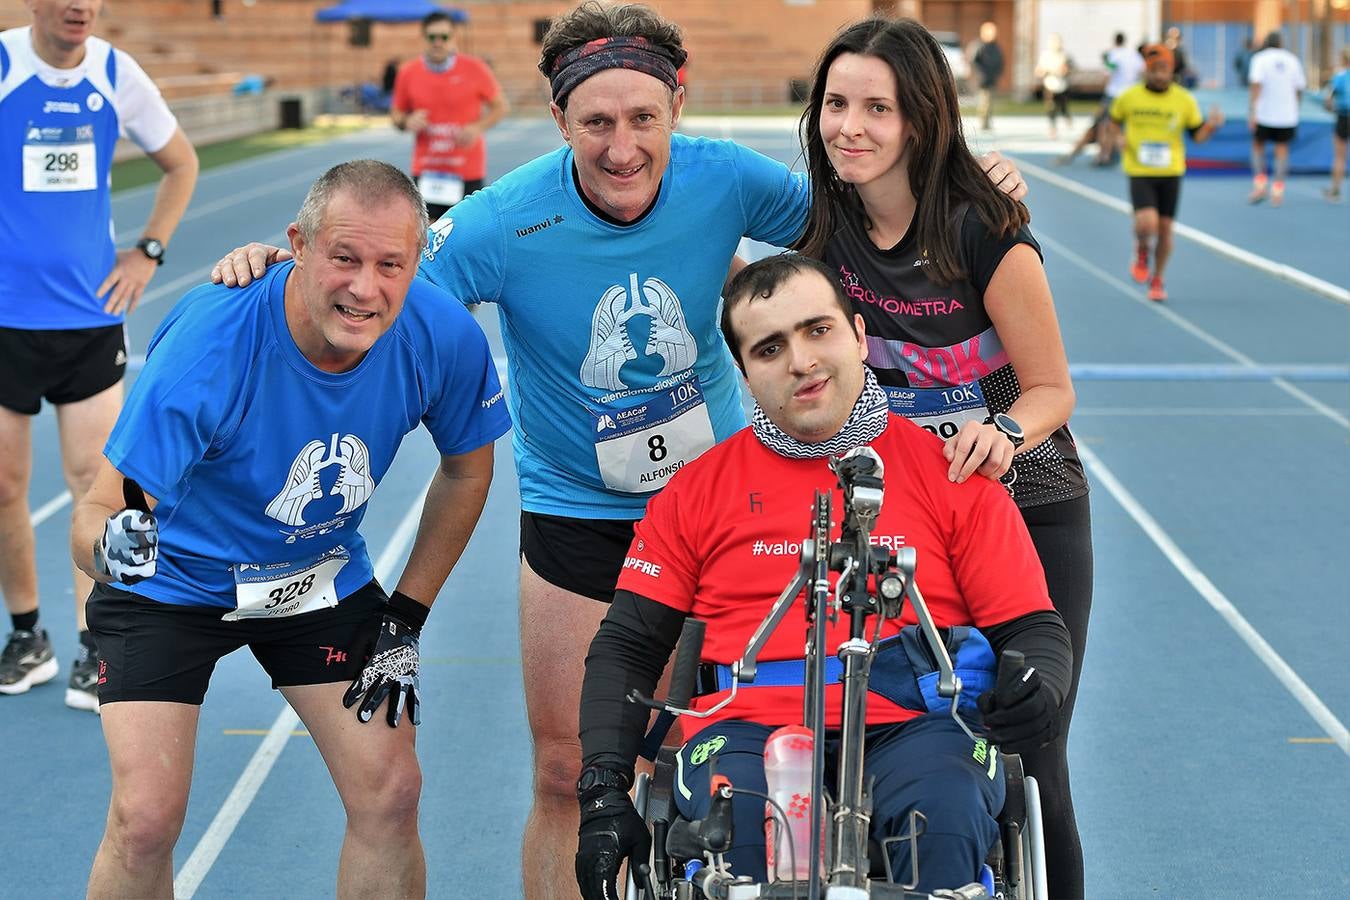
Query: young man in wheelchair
721, 541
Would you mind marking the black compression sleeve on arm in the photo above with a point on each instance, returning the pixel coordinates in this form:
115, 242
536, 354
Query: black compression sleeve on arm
1043, 639
630, 650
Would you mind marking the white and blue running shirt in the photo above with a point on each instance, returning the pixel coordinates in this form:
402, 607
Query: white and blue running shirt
57, 132
617, 369
258, 458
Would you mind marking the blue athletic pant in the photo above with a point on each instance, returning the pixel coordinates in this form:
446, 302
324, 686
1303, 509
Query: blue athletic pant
927, 764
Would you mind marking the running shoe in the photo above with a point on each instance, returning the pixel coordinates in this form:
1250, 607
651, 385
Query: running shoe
82, 689
1156, 292
1258, 191
1139, 269
1333, 195
27, 660
1277, 193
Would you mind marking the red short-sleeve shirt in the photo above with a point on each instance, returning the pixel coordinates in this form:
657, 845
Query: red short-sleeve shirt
721, 541
451, 98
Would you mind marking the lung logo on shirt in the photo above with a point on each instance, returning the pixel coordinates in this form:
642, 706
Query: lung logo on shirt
353, 483
440, 230
611, 346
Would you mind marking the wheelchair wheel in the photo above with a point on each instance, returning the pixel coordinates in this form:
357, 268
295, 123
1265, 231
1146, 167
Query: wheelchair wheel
1033, 844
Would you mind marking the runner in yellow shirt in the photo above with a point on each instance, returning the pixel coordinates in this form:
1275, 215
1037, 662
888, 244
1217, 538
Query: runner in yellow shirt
1154, 113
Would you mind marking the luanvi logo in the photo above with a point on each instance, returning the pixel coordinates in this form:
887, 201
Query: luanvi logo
539, 226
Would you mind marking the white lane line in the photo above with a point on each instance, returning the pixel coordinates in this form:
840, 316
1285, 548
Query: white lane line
230, 168
126, 237
1191, 328
1269, 266
196, 276
255, 773
1216, 599
49, 509
1189, 411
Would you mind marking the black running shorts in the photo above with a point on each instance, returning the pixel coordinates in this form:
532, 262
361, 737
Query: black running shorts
64, 366
1162, 194
1343, 126
1275, 135
583, 556
149, 650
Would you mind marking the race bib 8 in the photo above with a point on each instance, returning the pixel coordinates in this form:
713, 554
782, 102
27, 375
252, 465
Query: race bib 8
639, 447
277, 590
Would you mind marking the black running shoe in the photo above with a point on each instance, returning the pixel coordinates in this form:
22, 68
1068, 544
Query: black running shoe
82, 689
27, 660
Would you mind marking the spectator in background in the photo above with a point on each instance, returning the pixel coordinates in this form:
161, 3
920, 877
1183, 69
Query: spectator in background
987, 62
1183, 74
1125, 65
1338, 102
1053, 70
448, 100
1276, 84
1242, 61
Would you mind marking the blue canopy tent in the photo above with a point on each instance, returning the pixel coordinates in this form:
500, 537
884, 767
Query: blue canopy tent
388, 11
361, 13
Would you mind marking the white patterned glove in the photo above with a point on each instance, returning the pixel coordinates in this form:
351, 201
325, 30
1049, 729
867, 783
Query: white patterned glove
130, 543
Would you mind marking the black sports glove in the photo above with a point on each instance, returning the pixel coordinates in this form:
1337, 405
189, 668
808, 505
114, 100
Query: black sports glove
611, 830
393, 664
1020, 713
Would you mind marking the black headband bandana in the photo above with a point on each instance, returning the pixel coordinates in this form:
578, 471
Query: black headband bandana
637, 53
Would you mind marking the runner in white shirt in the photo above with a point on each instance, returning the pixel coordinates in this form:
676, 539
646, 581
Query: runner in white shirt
1125, 64
1276, 82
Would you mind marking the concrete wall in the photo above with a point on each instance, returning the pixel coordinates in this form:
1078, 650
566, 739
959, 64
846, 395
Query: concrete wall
222, 117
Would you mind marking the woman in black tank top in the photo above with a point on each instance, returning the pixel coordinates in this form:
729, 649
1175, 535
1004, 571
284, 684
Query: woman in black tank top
960, 322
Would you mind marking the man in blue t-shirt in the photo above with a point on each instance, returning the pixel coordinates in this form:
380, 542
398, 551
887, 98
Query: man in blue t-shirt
606, 260
65, 289
226, 514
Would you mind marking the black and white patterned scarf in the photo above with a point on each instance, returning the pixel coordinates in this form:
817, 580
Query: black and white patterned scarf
863, 425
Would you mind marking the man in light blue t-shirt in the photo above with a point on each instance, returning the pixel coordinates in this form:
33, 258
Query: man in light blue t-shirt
606, 259
226, 514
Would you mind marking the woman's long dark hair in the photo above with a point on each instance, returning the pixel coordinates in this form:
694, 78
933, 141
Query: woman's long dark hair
942, 172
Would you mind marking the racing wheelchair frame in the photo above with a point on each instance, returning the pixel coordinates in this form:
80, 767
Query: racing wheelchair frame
872, 581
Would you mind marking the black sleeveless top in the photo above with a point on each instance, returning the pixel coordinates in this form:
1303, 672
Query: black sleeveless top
935, 350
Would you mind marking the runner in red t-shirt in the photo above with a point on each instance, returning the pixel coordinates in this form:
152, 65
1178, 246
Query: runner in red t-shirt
723, 538
440, 97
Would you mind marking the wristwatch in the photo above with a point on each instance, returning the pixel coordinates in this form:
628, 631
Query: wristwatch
152, 248
593, 776
1008, 427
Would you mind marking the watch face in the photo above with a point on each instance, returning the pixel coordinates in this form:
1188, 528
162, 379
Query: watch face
1008, 425
152, 248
